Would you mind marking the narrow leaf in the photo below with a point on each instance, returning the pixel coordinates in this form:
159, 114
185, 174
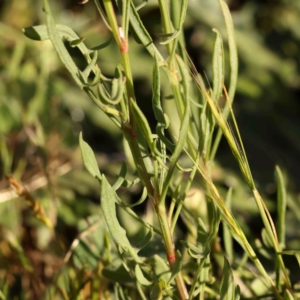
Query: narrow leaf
140, 276
232, 49
228, 242
281, 205
59, 46
90, 66
183, 9
193, 250
156, 104
89, 158
121, 177
108, 206
288, 295
141, 200
143, 124
173, 36
227, 291
233, 57
146, 239
182, 132
237, 293
218, 66
141, 32
266, 239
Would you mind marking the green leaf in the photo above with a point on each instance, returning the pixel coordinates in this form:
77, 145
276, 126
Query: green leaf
218, 66
108, 205
140, 276
267, 241
89, 158
207, 127
202, 233
227, 289
121, 177
233, 57
141, 33
116, 271
171, 37
237, 295
90, 67
116, 90
143, 124
158, 290
232, 49
193, 250
59, 46
161, 117
281, 205
182, 132
160, 268
263, 250
156, 102
183, 9
40, 33
141, 200
215, 218
228, 242
288, 295
146, 239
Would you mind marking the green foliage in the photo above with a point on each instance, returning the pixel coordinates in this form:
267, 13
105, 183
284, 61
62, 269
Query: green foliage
127, 245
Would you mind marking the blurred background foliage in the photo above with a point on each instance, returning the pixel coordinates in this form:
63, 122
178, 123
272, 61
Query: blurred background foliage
42, 112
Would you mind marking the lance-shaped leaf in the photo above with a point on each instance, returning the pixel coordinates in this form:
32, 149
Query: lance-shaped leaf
146, 239
121, 177
40, 33
90, 67
193, 250
227, 291
281, 205
115, 94
182, 132
89, 158
140, 276
228, 241
161, 117
141, 200
288, 295
59, 46
218, 66
108, 205
140, 33
232, 49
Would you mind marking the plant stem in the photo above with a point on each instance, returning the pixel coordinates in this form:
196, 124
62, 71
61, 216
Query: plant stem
170, 249
129, 129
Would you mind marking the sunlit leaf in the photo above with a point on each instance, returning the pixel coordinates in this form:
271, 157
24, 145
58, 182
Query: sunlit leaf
89, 158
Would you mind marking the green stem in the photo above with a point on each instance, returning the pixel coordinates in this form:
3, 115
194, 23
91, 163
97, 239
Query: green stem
170, 249
129, 130
166, 21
